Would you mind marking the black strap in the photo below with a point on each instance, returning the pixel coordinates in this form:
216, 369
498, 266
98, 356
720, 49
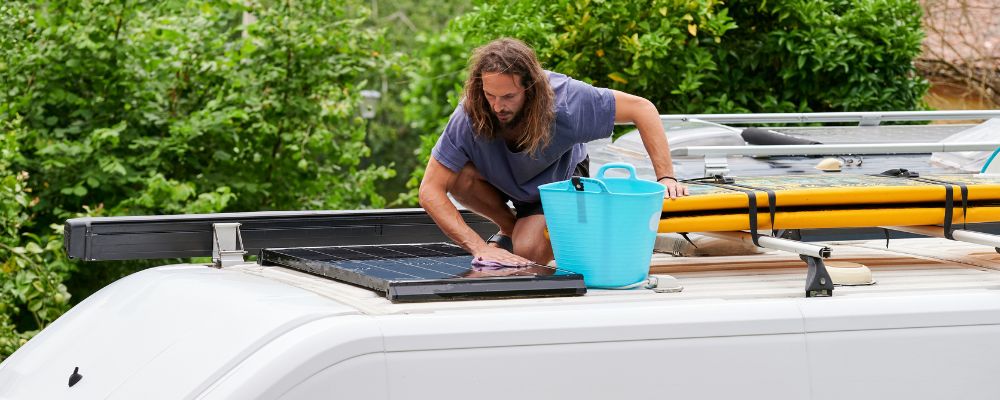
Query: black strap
772, 200
751, 192
685, 236
949, 202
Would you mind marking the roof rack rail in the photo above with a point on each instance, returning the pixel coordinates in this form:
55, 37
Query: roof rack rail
716, 162
961, 235
862, 118
831, 149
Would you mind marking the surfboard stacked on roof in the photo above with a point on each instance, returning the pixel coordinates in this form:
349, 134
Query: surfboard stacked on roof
833, 201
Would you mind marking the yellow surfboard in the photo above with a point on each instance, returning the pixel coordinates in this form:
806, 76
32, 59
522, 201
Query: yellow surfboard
839, 190
831, 201
835, 218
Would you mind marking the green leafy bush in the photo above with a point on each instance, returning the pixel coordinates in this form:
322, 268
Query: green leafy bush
171, 108
831, 55
407, 25
700, 56
176, 106
431, 99
32, 267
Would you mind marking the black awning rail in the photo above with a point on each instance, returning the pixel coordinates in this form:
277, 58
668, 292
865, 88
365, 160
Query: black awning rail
190, 235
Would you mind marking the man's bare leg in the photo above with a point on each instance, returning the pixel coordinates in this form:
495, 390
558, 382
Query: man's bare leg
472, 191
530, 241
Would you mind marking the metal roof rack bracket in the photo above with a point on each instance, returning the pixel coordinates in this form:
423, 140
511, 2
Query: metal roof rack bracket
227, 244
818, 281
716, 165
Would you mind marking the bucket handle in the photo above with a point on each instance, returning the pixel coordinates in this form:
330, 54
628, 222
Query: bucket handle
625, 166
579, 179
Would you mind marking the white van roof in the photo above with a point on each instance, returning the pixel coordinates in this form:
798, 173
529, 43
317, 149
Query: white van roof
199, 331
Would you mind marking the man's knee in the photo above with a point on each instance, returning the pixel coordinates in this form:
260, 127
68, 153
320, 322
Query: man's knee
530, 241
538, 251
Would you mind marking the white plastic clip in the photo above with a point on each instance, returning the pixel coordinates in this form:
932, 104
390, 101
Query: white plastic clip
870, 119
716, 165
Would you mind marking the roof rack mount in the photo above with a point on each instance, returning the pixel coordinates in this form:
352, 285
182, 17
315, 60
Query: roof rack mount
227, 244
818, 281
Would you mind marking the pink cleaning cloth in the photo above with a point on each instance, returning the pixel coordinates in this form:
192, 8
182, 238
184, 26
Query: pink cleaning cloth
479, 262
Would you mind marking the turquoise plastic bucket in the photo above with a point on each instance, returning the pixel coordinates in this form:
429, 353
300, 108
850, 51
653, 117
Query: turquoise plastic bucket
606, 231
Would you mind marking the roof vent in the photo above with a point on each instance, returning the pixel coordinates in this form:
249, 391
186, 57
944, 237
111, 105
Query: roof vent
845, 273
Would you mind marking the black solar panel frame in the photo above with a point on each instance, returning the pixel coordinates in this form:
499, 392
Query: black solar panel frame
423, 290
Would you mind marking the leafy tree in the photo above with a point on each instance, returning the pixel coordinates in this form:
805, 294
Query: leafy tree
431, 99
177, 106
408, 24
165, 108
32, 266
831, 55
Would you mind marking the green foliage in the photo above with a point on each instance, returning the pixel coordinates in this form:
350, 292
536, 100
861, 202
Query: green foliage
32, 267
700, 56
172, 108
832, 55
408, 24
177, 106
406, 20
430, 100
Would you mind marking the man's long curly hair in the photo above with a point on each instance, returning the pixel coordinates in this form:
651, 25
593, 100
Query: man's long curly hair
511, 56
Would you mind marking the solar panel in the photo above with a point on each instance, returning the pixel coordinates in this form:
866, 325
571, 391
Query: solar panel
425, 272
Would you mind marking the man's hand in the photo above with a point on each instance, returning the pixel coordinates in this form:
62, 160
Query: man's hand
490, 253
674, 189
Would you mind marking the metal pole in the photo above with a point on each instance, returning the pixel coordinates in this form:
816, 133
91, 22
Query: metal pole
832, 149
984, 239
774, 243
864, 118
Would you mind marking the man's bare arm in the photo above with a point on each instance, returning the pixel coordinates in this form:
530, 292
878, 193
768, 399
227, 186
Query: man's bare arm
642, 113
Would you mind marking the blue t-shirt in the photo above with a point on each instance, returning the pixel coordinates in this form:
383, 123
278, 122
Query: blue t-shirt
583, 113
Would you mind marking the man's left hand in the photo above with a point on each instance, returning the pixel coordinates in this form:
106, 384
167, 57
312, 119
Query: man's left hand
674, 189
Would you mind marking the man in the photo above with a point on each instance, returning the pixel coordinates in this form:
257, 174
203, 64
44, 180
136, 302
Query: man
519, 127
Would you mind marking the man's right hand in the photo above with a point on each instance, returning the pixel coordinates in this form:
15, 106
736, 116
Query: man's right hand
491, 253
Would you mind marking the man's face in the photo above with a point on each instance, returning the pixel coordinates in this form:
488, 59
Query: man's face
505, 95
